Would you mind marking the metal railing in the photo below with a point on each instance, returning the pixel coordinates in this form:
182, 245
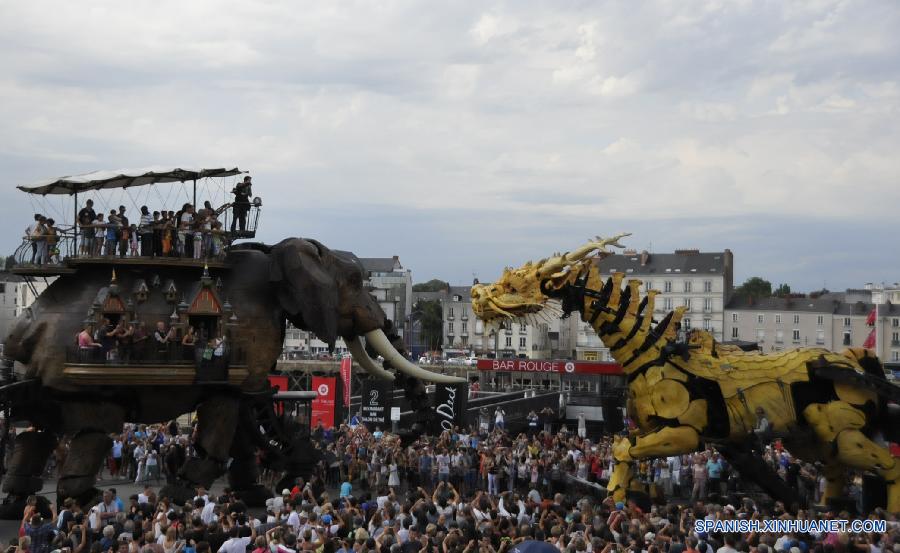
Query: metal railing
150, 354
46, 250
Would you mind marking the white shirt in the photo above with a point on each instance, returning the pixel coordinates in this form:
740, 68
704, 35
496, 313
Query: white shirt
142, 498
207, 515
294, 521
235, 545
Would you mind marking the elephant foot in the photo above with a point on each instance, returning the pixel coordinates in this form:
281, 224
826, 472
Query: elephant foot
254, 496
13, 506
178, 493
201, 472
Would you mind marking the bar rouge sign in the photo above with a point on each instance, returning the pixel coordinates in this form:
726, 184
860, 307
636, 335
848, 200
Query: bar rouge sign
548, 366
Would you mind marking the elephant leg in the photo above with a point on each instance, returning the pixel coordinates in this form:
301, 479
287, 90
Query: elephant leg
26, 468
243, 472
217, 421
87, 451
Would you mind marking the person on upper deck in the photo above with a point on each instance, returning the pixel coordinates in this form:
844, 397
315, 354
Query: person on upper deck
242, 193
86, 218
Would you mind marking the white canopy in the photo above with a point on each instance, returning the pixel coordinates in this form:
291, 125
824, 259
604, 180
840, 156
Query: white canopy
124, 178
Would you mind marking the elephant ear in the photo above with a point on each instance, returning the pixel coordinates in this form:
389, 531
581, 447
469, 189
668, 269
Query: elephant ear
305, 288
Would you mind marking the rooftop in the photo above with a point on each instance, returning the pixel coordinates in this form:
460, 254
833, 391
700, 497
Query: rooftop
680, 262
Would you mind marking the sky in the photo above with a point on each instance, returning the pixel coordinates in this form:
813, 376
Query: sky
468, 136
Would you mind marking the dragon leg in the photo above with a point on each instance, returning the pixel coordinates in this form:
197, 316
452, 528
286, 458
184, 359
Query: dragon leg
840, 424
835, 478
666, 441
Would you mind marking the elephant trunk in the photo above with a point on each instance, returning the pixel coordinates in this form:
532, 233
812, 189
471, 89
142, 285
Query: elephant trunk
380, 343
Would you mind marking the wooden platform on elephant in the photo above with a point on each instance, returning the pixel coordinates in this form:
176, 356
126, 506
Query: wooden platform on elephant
146, 261
146, 375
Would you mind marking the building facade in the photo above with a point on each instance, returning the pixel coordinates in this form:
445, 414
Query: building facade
829, 321
703, 282
15, 296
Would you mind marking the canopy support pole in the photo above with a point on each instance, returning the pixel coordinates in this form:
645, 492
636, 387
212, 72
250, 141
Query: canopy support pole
75, 228
195, 193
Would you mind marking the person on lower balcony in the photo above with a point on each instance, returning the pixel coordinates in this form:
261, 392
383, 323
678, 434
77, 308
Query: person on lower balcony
188, 344
161, 341
87, 347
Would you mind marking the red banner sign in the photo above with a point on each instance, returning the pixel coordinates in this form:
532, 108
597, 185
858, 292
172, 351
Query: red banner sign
346, 364
323, 405
548, 366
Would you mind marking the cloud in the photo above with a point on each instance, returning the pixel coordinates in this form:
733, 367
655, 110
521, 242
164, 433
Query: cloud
538, 116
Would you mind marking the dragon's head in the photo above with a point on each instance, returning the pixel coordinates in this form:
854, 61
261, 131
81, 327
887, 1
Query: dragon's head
526, 291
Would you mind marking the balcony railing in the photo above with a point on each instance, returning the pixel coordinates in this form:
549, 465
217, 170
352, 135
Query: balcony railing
148, 354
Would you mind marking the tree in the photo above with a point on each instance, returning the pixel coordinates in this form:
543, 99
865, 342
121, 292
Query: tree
433, 285
10, 262
431, 316
755, 288
783, 291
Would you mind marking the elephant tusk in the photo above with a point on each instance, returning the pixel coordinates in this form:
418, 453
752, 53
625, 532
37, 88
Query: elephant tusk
382, 345
359, 354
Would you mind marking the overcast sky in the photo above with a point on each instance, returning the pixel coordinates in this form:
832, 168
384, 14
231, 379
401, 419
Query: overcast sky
465, 136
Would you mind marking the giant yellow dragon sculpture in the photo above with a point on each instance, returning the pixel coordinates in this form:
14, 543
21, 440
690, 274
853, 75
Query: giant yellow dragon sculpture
826, 406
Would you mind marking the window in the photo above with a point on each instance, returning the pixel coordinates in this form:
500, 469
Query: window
895, 322
707, 304
522, 342
895, 356
667, 286
465, 327
687, 285
820, 337
796, 319
846, 321
707, 324
779, 336
667, 304
687, 303
820, 320
895, 338
760, 335
846, 337
508, 342
522, 328
795, 335
734, 332
707, 286
734, 317
457, 297
778, 318
648, 286
686, 324
450, 327
760, 319
450, 313
3, 291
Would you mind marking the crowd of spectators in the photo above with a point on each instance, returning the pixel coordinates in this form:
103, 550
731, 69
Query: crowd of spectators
459, 492
189, 232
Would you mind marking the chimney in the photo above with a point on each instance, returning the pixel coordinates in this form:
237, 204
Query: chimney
645, 258
689, 251
629, 251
